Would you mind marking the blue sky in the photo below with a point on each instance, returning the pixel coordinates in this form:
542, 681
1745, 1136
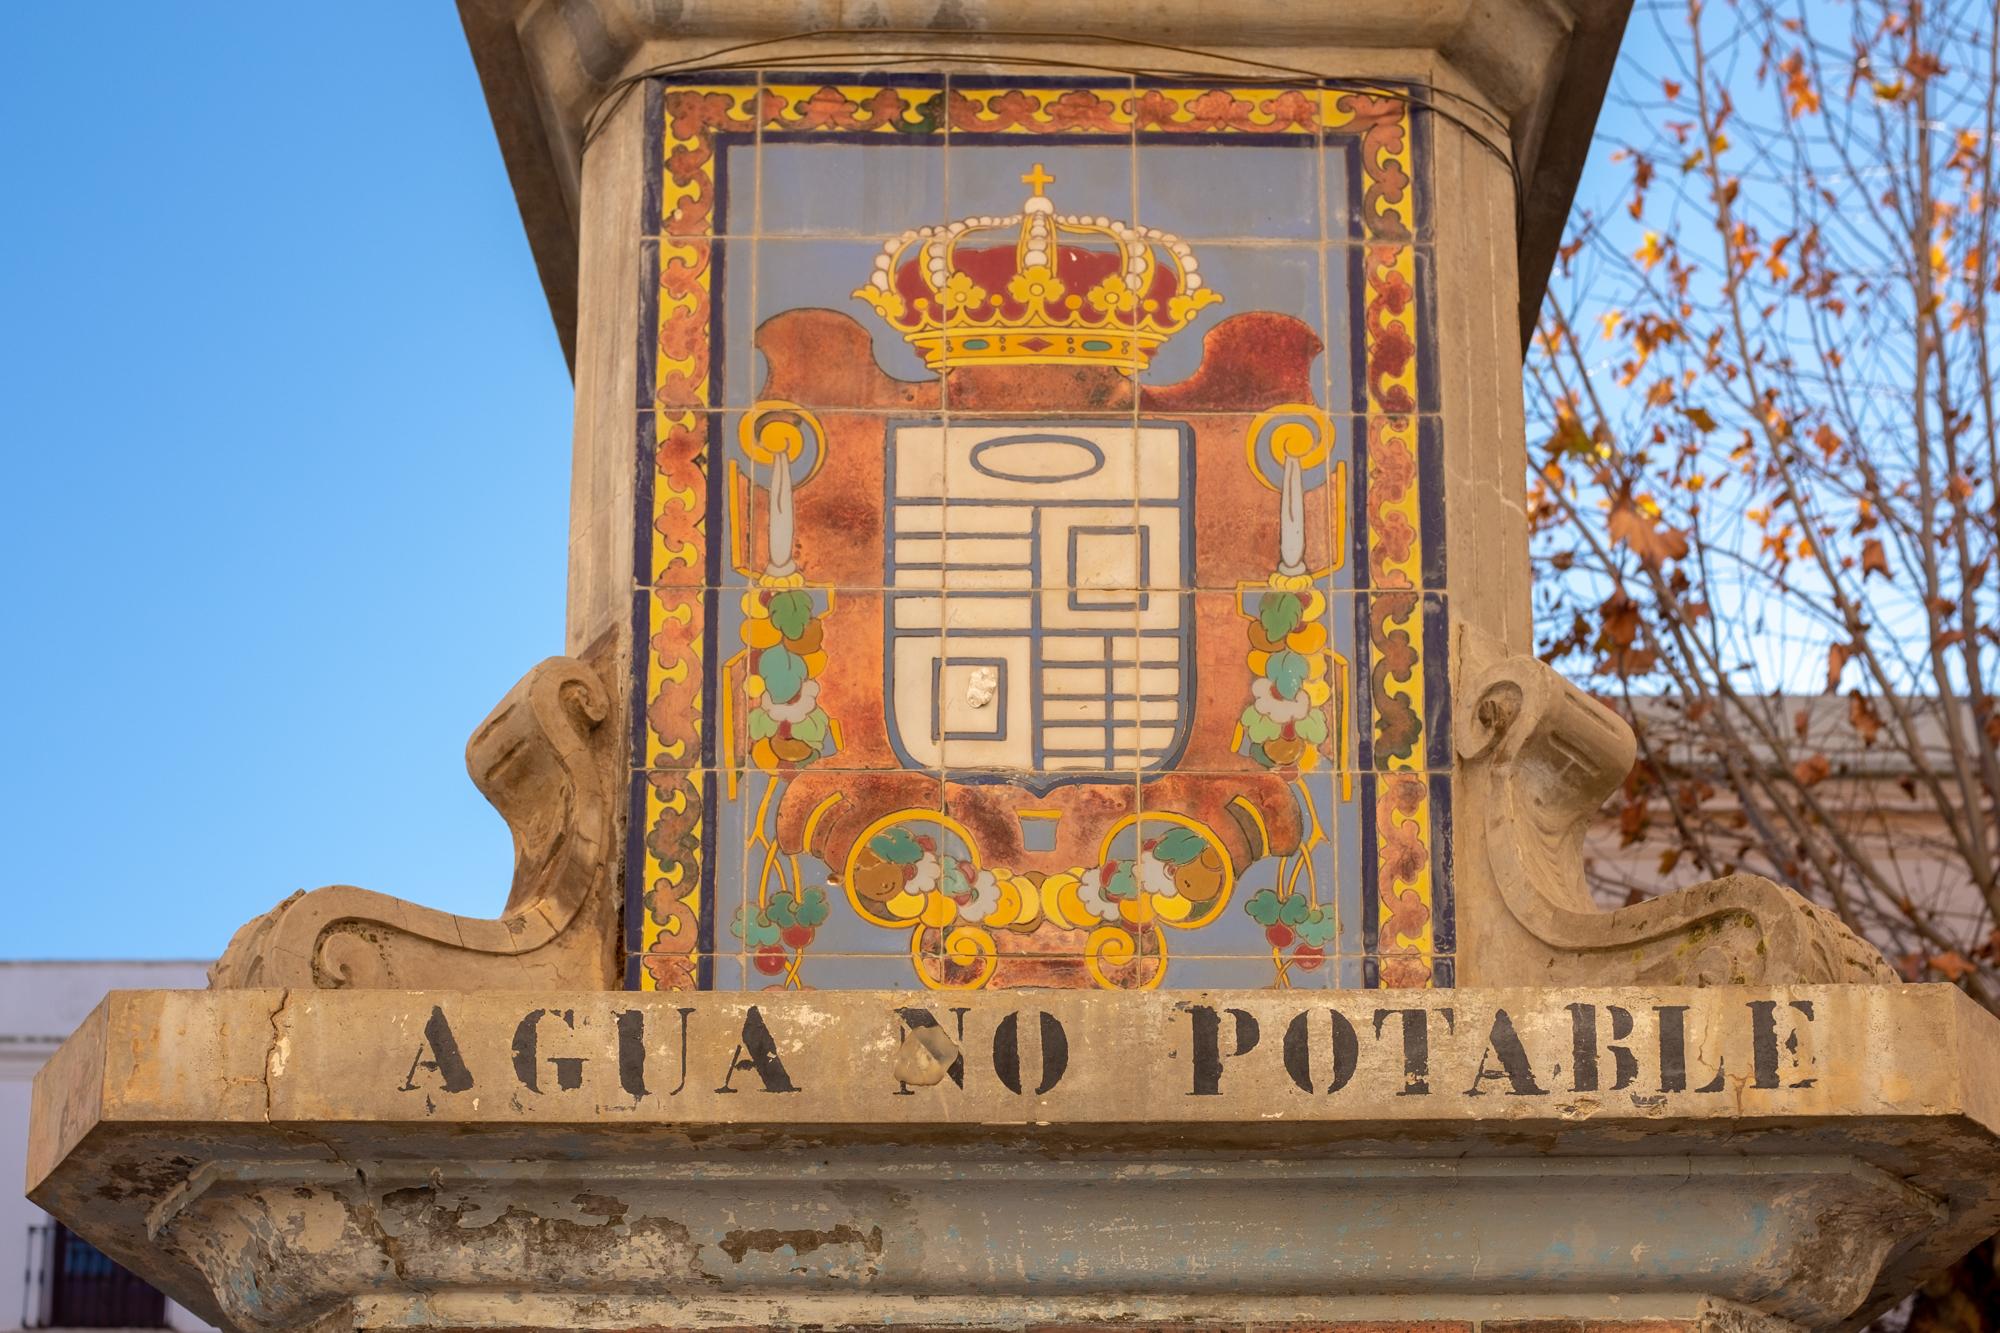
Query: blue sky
286, 431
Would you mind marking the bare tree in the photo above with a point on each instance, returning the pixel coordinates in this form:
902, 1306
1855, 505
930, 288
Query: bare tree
1765, 510
1765, 379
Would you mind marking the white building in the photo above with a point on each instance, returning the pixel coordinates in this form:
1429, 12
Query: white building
40, 1004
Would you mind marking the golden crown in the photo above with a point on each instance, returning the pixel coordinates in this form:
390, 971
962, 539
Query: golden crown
1061, 289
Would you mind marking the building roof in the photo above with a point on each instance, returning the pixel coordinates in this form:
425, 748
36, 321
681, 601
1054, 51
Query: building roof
1811, 724
43, 1000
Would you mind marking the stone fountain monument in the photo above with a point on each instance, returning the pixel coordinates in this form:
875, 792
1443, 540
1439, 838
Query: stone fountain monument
1048, 815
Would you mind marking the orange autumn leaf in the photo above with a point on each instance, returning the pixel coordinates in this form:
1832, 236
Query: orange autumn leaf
1965, 152
1924, 65
1801, 96
1874, 558
1621, 621
1644, 535
1812, 770
1951, 965
1570, 437
1861, 715
1631, 823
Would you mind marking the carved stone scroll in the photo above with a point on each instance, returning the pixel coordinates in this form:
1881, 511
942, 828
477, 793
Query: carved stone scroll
547, 758
1540, 757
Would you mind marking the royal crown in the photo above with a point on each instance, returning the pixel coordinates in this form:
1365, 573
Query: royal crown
1037, 288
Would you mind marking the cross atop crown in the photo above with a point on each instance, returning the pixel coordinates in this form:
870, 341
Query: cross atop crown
1037, 179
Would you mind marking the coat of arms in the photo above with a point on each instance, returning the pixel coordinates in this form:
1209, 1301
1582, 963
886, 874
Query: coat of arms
1036, 666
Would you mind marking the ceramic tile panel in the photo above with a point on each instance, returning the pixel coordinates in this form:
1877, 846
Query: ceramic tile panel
671, 903
1383, 190
1341, 186
1403, 816
831, 896
834, 971
994, 175
1040, 576
795, 679
850, 865
677, 362
1057, 110
1406, 725
1251, 524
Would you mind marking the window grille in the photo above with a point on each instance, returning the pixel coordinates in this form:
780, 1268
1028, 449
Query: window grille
73, 1284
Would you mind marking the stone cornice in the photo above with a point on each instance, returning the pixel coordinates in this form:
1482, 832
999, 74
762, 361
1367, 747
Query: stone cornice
1540, 65
1806, 1152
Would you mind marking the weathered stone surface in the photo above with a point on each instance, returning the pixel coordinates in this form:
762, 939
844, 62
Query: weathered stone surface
276, 1158
1540, 757
1689, 1316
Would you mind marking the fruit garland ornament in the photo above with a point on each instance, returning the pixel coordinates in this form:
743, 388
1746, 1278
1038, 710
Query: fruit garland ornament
785, 633
781, 928
1285, 724
783, 627
917, 871
1293, 920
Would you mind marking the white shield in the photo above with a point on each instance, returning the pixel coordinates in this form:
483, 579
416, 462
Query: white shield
1039, 618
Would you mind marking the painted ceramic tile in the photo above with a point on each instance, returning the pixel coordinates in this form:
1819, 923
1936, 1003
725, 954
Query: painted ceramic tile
781, 275
1296, 280
987, 174
1204, 190
803, 192
739, 191
701, 150
1040, 541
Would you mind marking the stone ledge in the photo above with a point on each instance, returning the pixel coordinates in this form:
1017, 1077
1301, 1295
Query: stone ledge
272, 1158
